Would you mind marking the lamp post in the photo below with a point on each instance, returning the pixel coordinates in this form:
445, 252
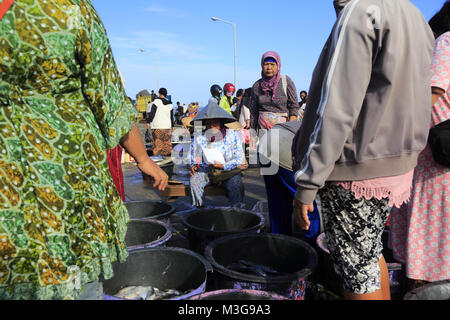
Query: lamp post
234, 29
157, 67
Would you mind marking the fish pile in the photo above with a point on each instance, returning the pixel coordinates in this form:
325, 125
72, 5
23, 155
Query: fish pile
146, 293
251, 268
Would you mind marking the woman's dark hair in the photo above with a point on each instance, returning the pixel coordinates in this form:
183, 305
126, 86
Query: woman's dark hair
440, 23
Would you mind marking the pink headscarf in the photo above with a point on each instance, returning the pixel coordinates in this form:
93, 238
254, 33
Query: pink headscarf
269, 85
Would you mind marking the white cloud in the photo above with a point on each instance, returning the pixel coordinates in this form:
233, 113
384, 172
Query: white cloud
174, 13
166, 44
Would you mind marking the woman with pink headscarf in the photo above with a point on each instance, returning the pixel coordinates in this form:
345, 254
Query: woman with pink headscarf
274, 100
274, 97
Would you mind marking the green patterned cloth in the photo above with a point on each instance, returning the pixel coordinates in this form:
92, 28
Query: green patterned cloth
62, 104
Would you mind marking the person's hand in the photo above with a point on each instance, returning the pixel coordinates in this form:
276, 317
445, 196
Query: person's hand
244, 166
301, 214
292, 118
193, 169
147, 126
150, 168
217, 165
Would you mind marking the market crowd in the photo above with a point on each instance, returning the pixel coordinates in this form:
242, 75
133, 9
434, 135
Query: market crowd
368, 142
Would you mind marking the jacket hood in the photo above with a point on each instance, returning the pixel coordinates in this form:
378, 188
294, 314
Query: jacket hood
339, 5
164, 101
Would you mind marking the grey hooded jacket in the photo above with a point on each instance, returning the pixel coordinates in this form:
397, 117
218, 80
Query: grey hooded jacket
368, 112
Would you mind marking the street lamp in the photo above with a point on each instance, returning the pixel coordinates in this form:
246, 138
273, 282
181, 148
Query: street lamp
157, 67
234, 29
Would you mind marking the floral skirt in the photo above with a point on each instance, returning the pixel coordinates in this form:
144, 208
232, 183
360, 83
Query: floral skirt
353, 229
162, 145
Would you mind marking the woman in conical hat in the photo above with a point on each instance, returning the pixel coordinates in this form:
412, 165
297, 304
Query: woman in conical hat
216, 156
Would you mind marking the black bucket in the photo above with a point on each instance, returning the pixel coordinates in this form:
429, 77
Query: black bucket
238, 294
325, 271
439, 290
146, 234
162, 268
206, 225
145, 210
168, 169
293, 258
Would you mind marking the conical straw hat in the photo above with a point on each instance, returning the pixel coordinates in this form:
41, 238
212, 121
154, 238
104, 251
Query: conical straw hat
234, 126
214, 111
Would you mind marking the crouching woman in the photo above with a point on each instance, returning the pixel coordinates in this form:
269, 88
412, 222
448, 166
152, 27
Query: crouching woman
216, 156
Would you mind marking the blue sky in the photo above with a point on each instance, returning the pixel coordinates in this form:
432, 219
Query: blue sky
195, 52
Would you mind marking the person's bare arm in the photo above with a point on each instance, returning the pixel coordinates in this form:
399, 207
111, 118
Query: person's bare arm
133, 144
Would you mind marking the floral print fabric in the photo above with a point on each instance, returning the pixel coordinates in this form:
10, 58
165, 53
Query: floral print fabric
230, 145
420, 229
162, 145
267, 120
354, 229
62, 104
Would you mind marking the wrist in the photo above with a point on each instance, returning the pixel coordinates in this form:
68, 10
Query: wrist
143, 160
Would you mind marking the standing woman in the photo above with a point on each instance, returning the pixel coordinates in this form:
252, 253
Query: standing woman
420, 229
62, 105
362, 133
272, 101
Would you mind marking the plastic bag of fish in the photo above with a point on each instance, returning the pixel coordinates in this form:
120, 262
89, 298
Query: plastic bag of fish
147, 293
